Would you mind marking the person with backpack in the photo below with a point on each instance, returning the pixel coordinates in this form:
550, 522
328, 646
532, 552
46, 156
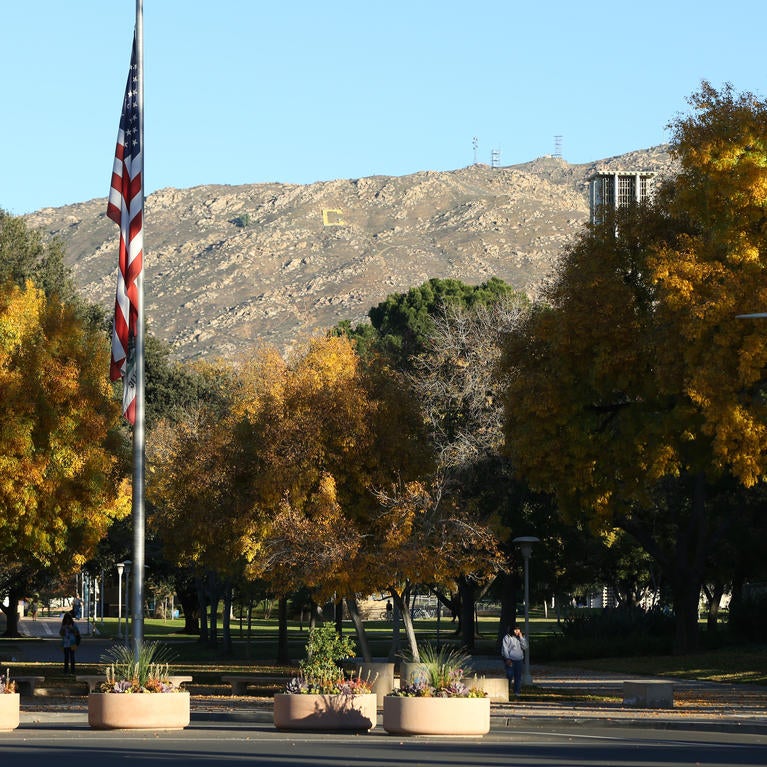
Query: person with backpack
70, 639
513, 653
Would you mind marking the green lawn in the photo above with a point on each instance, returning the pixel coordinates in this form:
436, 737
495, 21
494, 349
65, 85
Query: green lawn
256, 652
730, 664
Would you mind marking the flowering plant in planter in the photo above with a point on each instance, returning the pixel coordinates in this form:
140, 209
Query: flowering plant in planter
440, 675
341, 686
320, 672
149, 673
7, 686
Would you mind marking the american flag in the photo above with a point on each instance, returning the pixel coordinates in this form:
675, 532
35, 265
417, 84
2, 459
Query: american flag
126, 208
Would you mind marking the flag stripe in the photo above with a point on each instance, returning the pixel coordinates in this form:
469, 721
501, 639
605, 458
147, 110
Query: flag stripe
125, 207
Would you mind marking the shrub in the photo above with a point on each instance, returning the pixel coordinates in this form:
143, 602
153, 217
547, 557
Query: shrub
618, 622
324, 650
320, 670
611, 632
748, 616
242, 220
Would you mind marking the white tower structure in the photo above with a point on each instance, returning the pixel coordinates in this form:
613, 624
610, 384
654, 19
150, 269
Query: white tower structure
616, 190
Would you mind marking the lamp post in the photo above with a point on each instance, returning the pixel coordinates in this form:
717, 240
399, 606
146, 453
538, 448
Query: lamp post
102, 584
127, 564
120, 566
525, 544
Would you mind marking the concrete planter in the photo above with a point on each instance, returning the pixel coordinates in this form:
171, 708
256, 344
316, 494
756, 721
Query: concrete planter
138, 711
496, 687
383, 673
325, 712
9, 711
436, 716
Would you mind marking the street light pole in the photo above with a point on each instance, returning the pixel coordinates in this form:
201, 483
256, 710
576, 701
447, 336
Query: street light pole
120, 566
127, 602
525, 544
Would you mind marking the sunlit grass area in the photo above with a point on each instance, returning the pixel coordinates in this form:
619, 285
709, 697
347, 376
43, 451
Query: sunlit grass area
254, 651
741, 666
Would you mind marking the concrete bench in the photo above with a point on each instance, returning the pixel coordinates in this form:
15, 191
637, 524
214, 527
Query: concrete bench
240, 682
496, 687
648, 693
94, 680
27, 684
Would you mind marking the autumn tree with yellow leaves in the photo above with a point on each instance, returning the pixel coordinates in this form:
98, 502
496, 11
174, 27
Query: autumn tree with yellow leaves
318, 432
61, 479
277, 485
198, 511
636, 394
421, 536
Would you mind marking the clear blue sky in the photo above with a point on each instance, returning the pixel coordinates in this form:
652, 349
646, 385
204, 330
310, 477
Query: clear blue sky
249, 91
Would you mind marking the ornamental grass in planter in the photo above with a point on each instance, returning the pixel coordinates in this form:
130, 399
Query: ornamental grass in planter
10, 705
137, 692
437, 700
322, 697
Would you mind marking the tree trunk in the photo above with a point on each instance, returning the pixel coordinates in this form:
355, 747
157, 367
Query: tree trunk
738, 580
450, 602
713, 599
12, 613
214, 590
686, 596
249, 642
202, 606
338, 615
359, 627
213, 621
400, 607
468, 626
315, 615
283, 655
456, 616
227, 620
683, 565
187, 595
688, 571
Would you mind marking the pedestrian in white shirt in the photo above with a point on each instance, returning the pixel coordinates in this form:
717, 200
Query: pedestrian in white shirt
513, 653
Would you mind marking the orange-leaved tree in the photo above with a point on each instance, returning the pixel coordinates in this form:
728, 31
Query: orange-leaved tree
420, 536
316, 434
200, 510
311, 546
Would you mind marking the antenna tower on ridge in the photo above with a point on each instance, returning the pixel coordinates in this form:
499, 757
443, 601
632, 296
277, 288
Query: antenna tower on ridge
495, 158
475, 144
558, 147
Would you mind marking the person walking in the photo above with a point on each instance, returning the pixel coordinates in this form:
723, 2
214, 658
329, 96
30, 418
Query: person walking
70, 638
513, 653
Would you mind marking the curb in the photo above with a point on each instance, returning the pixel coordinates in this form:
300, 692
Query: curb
499, 722
745, 727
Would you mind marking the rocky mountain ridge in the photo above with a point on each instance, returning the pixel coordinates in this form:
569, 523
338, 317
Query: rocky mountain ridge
230, 267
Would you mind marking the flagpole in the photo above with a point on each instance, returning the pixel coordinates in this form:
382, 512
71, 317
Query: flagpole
138, 427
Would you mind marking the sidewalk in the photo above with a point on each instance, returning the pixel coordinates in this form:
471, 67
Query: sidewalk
562, 695
715, 716
49, 649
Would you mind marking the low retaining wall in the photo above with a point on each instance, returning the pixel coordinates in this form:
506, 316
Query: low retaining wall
648, 693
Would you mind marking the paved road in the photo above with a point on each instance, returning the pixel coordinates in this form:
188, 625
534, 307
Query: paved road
209, 741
